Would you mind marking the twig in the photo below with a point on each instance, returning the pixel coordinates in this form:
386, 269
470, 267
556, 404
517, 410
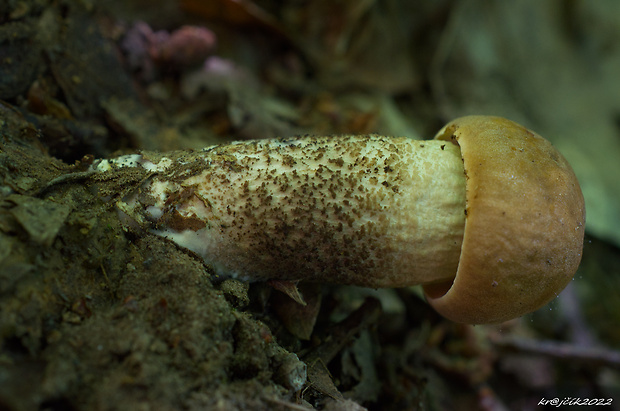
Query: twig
286, 404
595, 356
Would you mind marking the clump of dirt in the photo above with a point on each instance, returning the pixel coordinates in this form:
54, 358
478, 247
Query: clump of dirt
95, 316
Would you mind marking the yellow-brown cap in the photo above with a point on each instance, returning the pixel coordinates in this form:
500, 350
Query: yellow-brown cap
524, 228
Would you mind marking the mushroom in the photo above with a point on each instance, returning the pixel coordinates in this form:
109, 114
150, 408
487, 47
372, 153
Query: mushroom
488, 217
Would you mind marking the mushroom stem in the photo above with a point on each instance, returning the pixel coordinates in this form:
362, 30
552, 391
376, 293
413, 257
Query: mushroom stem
489, 217
366, 210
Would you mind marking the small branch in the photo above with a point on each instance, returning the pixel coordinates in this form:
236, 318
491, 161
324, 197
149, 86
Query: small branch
596, 356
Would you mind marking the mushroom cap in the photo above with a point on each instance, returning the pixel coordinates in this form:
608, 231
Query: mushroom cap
524, 226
